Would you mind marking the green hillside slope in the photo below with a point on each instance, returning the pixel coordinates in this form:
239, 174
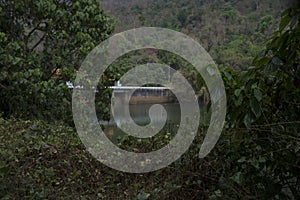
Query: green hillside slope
231, 31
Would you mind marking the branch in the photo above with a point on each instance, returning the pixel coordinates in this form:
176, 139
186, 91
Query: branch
34, 29
278, 123
54, 71
38, 43
4, 87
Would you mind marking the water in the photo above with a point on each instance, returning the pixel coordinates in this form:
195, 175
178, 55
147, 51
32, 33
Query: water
140, 115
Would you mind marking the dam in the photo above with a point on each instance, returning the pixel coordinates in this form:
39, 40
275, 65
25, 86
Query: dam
143, 95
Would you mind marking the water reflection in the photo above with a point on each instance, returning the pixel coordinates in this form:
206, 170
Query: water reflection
140, 115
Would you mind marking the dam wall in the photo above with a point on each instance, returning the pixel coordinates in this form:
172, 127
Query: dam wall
143, 94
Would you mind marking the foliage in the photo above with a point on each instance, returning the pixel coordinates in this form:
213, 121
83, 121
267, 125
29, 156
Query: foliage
232, 31
269, 88
263, 117
43, 161
42, 43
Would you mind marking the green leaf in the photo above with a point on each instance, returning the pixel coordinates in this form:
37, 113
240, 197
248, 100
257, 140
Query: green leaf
247, 120
261, 62
237, 92
143, 196
255, 107
227, 75
242, 159
276, 61
216, 195
284, 22
258, 94
237, 178
239, 100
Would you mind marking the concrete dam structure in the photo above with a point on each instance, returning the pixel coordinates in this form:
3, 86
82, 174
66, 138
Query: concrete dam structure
143, 94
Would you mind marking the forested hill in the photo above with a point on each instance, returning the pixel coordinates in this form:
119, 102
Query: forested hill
231, 31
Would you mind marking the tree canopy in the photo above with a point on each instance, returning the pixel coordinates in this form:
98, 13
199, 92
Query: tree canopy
40, 40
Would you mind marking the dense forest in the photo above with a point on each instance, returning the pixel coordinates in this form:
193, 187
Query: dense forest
233, 32
256, 45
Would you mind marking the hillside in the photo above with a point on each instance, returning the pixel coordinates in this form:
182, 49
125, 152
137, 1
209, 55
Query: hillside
231, 31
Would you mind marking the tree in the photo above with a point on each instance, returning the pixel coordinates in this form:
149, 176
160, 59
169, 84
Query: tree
263, 104
182, 17
41, 39
276, 74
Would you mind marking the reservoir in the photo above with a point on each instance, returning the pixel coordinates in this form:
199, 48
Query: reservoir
139, 113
